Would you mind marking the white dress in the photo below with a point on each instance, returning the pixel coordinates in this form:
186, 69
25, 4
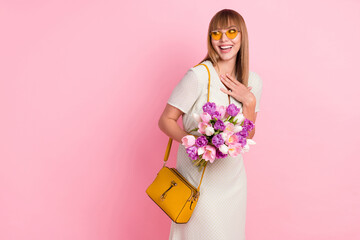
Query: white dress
221, 208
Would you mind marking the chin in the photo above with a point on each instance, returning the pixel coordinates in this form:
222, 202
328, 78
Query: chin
226, 58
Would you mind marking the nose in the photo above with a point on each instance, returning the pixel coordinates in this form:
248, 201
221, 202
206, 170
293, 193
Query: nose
223, 37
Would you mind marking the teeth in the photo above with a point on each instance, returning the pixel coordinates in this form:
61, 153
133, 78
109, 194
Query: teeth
225, 47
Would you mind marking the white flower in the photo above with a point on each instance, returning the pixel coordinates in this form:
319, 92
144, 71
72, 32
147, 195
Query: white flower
209, 131
201, 150
224, 149
246, 148
240, 118
197, 117
237, 128
248, 142
224, 135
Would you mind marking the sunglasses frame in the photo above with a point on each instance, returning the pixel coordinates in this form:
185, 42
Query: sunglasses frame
226, 33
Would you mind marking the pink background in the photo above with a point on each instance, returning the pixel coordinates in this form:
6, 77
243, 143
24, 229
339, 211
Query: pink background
83, 84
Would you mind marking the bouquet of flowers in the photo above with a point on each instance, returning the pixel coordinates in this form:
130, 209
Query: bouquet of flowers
223, 132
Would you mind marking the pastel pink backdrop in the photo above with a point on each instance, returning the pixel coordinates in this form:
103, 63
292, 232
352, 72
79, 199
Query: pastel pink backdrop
83, 84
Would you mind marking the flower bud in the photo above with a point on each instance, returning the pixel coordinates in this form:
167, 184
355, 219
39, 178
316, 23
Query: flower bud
237, 128
240, 118
209, 131
224, 149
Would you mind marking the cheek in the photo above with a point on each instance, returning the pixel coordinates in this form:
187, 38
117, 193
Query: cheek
238, 44
237, 41
213, 44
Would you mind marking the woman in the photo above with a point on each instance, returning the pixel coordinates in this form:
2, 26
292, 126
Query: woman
220, 211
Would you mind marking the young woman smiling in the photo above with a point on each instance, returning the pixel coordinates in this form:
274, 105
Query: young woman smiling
221, 210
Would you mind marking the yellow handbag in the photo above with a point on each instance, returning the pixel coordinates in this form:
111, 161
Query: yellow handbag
172, 192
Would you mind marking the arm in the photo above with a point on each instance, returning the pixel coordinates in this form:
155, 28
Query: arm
168, 123
249, 112
242, 94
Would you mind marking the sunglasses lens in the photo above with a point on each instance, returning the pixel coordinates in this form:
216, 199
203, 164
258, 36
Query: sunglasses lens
216, 35
232, 33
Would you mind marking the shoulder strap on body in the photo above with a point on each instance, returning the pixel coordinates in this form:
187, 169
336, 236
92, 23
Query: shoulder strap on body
170, 139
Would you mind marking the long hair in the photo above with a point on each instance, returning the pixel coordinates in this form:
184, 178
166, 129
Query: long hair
222, 19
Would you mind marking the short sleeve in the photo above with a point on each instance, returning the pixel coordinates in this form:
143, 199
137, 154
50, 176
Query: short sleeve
186, 92
257, 91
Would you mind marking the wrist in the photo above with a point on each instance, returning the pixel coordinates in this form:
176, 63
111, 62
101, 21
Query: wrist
250, 100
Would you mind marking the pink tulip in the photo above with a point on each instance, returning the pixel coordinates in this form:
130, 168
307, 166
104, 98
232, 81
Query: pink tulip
205, 117
188, 141
229, 127
221, 110
234, 149
202, 126
232, 139
209, 154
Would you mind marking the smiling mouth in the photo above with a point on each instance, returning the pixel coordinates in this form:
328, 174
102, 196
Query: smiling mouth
225, 47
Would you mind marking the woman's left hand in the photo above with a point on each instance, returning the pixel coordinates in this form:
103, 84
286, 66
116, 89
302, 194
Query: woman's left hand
236, 89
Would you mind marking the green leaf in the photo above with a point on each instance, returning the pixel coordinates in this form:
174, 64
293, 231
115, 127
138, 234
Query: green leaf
195, 129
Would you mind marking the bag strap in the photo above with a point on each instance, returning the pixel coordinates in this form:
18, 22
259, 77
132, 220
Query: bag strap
170, 139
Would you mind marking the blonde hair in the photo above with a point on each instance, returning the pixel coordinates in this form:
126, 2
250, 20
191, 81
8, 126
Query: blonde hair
222, 19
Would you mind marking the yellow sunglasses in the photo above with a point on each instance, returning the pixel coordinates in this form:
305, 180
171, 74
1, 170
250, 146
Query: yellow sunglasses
231, 33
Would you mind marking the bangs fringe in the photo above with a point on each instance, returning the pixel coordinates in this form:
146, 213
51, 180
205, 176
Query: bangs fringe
224, 19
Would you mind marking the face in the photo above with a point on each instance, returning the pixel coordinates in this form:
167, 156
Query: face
226, 47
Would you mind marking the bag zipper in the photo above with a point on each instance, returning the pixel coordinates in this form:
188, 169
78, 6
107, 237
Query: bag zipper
194, 190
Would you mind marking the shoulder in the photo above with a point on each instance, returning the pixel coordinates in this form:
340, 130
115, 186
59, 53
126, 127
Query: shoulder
198, 73
201, 71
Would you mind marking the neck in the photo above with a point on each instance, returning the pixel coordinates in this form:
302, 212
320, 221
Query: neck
228, 66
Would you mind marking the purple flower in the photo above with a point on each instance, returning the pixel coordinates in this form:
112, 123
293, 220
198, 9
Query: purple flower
249, 125
217, 140
232, 110
243, 133
219, 154
201, 141
216, 115
245, 128
192, 151
242, 141
219, 125
209, 107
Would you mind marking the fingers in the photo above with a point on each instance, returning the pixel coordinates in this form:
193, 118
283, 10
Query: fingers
227, 92
227, 81
232, 79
